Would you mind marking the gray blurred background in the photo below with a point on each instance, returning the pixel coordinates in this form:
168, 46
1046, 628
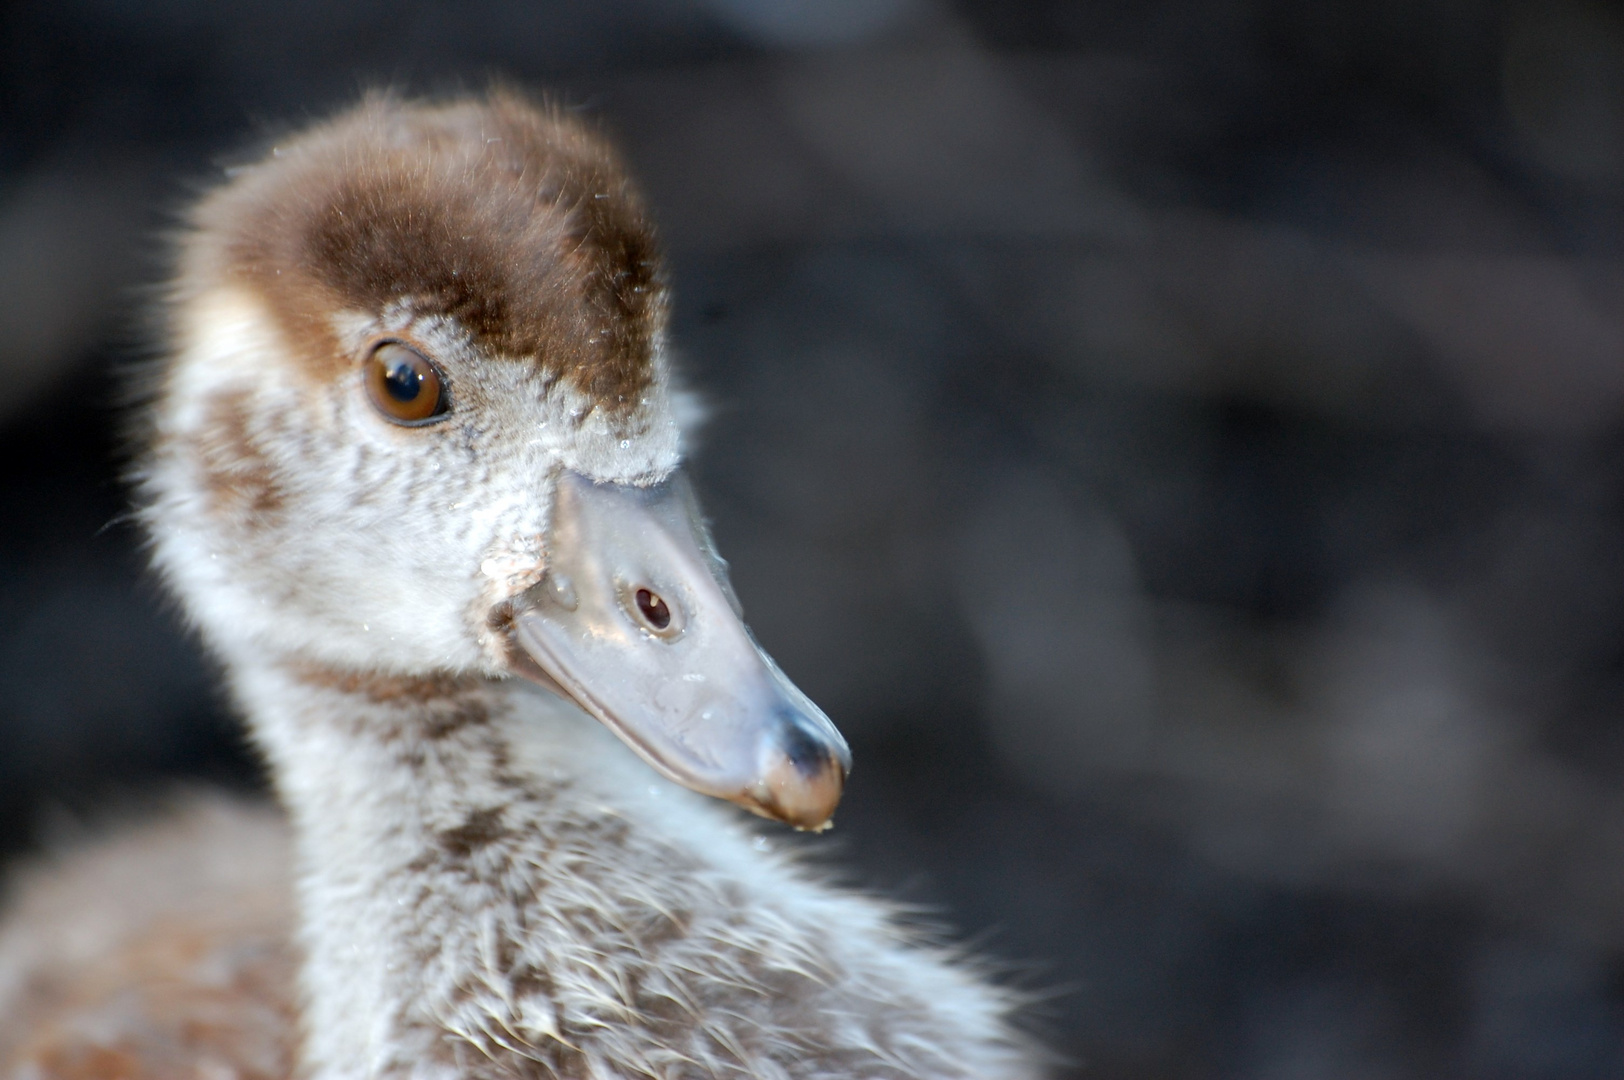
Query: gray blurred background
1181, 443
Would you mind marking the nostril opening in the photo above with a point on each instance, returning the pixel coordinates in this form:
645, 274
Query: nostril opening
653, 609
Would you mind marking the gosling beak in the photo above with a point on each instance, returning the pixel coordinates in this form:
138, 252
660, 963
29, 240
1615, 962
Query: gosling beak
636, 622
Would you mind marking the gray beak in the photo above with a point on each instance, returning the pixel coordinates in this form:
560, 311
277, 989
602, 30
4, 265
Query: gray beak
636, 622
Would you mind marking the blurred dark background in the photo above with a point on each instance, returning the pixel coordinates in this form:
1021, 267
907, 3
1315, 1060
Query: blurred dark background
1181, 443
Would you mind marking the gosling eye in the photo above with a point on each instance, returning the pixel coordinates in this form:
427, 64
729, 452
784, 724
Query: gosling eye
403, 385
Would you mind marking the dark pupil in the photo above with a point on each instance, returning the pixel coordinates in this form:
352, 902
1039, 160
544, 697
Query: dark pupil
403, 382
653, 609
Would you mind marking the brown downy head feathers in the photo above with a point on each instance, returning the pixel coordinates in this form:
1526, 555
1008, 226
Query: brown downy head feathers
510, 218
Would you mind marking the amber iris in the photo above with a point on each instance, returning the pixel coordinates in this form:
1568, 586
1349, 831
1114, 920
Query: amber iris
403, 385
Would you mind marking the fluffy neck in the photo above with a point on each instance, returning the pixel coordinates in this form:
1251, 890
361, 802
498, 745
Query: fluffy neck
491, 886
451, 855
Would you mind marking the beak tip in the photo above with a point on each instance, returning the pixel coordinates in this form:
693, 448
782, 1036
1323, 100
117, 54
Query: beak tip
802, 779
705, 707
807, 804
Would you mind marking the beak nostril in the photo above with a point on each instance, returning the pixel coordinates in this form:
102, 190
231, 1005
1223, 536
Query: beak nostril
653, 609
650, 612
656, 651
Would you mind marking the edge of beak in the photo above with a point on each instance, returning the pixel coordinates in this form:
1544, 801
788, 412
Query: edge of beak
799, 773
802, 778
636, 624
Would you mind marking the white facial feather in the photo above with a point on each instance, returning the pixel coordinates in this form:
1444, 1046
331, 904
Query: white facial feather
408, 537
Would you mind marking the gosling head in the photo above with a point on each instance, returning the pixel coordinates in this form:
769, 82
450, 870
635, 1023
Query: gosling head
417, 417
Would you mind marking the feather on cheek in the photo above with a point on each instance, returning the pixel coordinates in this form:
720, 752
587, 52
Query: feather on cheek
242, 486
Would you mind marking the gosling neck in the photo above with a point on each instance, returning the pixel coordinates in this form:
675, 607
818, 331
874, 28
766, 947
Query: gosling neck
414, 822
